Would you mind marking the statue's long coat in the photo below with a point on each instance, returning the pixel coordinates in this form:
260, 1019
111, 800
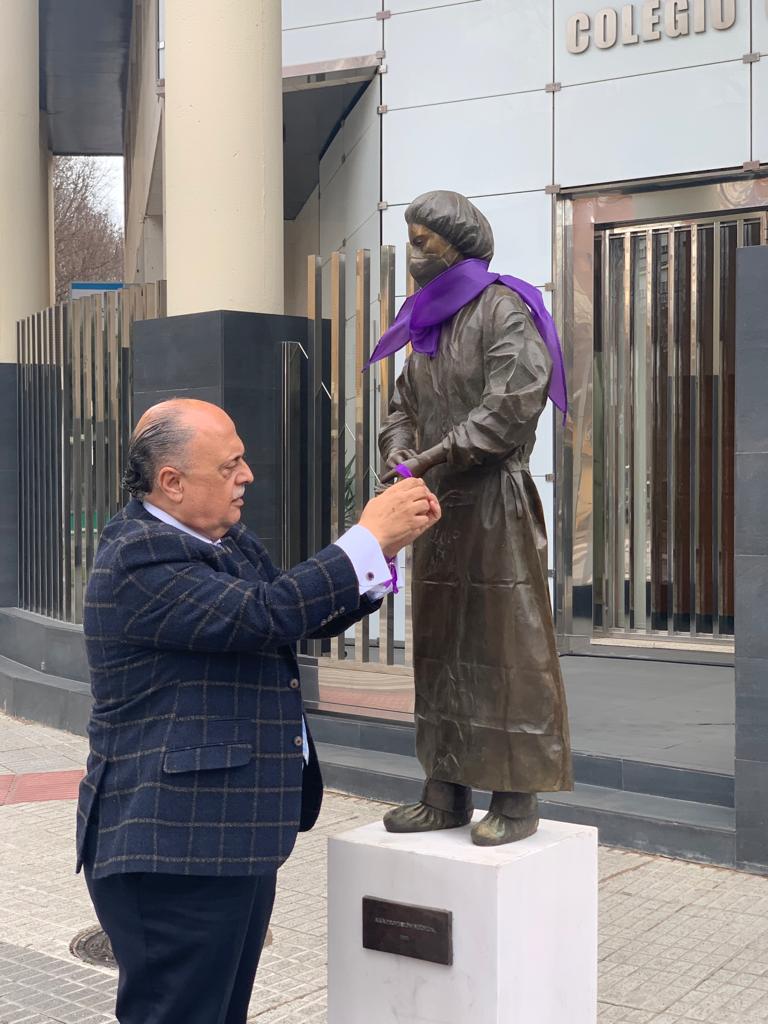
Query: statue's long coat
490, 705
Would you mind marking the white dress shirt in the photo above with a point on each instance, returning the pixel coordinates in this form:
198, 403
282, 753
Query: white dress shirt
374, 576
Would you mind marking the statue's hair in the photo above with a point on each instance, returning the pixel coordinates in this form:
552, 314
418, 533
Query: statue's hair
161, 443
455, 218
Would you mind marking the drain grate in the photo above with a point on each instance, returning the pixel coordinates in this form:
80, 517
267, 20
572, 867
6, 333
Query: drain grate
93, 947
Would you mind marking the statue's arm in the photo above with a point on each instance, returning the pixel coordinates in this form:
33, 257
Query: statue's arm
398, 436
517, 373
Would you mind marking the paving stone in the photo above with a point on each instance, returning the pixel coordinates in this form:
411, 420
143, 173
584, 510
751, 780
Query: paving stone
680, 943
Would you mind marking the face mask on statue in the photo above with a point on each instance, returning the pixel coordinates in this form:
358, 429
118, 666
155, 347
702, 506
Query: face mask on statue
430, 255
426, 267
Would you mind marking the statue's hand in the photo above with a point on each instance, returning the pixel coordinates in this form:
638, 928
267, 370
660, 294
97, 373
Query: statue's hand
399, 456
418, 465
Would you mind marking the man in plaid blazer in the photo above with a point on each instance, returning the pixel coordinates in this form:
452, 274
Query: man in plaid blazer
202, 770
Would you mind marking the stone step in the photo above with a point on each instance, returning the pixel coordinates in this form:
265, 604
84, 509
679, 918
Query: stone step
630, 774
636, 821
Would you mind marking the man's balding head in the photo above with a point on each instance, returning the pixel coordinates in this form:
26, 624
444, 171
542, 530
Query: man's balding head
186, 458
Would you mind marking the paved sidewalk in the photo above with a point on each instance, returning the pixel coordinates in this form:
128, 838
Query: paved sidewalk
680, 943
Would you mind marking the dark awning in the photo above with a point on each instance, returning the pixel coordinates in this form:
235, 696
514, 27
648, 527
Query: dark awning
84, 46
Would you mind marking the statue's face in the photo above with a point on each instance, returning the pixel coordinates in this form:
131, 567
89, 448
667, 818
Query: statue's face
431, 254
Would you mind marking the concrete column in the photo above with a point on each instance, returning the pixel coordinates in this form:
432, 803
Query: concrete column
223, 166
24, 236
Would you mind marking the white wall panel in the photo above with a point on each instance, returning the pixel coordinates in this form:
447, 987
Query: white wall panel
643, 57
350, 174
364, 114
670, 123
760, 111
543, 456
399, 6
450, 53
299, 13
367, 236
547, 494
477, 147
522, 231
352, 194
332, 159
760, 26
331, 42
394, 231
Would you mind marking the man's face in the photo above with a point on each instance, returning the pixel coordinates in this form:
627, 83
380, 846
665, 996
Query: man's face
431, 254
208, 492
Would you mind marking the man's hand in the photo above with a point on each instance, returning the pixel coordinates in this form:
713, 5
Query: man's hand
399, 515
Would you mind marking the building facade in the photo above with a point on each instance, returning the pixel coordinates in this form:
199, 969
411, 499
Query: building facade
618, 153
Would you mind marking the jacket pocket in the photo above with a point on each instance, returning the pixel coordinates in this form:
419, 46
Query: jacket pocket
205, 758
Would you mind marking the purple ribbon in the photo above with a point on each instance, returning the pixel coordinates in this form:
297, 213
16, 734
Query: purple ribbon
403, 471
392, 563
422, 315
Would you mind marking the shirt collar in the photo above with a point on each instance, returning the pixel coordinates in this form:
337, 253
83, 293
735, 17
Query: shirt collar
164, 517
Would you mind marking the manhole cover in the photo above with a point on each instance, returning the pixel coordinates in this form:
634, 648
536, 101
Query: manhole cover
93, 946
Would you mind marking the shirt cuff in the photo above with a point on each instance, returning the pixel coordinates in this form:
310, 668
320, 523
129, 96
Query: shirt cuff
374, 576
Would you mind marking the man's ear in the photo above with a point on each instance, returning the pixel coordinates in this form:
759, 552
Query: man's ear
169, 482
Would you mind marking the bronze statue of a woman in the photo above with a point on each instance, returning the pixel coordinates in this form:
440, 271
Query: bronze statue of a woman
490, 706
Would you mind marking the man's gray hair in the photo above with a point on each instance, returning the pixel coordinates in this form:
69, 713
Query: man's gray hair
160, 443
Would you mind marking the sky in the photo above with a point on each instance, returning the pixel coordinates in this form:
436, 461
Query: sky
114, 166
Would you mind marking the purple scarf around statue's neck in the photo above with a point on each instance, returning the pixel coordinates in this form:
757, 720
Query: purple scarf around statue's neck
422, 315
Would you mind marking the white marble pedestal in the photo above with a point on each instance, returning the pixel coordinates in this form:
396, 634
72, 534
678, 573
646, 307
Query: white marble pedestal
524, 928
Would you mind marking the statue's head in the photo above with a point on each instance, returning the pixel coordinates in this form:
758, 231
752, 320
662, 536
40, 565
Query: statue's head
444, 228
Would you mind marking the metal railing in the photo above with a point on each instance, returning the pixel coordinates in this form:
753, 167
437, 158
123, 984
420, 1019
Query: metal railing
352, 406
74, 409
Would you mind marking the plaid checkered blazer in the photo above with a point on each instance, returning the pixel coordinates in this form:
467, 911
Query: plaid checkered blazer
196, 763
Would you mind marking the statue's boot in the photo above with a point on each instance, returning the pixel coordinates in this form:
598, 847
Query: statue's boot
511, 817
442, 805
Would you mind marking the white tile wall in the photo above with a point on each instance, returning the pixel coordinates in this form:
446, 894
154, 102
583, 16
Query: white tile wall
483, 49
331, 42
300, 13
644, 57
668, 123
760, 111
478, 147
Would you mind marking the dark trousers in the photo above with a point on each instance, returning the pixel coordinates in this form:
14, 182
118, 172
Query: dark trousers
187, 946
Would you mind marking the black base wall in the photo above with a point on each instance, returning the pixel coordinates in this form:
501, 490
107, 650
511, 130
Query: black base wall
751, 557
236, 361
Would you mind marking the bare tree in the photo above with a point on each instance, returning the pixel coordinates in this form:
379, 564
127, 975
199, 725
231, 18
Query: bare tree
89, 245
